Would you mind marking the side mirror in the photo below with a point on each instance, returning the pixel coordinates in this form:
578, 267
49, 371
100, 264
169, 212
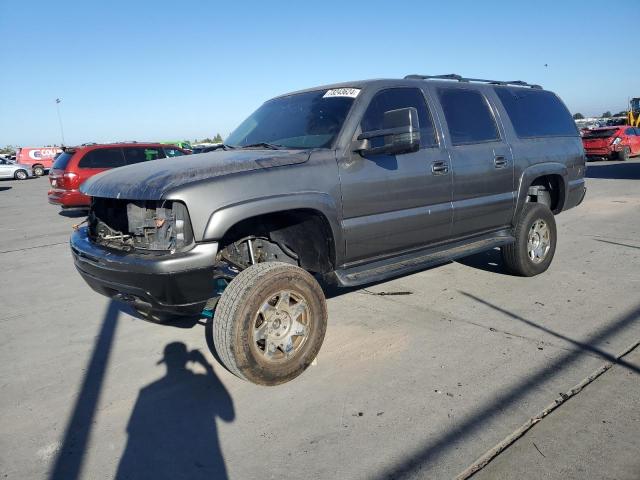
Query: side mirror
401, 134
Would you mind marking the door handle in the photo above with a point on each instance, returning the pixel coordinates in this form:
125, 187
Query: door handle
499, 161
439, 168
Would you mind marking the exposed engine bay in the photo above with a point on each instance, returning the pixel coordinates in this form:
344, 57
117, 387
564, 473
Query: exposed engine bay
140, 225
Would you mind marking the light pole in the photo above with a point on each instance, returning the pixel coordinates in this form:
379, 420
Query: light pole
58, 100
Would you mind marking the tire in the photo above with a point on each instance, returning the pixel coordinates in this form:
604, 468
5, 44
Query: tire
21, 175
38, 171
517, 257
624, 154
247, 341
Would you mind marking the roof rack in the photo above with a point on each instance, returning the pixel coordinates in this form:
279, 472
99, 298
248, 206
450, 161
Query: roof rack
460, 78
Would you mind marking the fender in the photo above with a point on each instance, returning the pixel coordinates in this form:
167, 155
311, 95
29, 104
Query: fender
529, 174
225, 217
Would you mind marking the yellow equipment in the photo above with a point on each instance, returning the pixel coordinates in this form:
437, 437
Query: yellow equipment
634, 112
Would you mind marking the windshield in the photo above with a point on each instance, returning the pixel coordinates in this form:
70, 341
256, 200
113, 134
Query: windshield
600, 133
303, 120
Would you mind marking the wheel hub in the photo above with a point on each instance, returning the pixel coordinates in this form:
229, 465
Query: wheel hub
281, 325
539, 241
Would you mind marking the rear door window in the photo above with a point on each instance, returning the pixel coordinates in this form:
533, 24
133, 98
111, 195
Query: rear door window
468, 116
102, 158
393, 99
141, 154
536, 113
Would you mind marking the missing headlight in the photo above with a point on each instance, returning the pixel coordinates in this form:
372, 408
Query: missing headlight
137, 225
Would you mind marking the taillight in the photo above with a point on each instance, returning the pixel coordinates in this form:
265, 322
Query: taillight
70, 180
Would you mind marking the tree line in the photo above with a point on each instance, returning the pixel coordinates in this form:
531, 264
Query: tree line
607, 114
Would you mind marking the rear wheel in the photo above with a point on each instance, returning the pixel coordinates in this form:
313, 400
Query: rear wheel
21, 175
38, 171
624, 154
535, 245
270, 323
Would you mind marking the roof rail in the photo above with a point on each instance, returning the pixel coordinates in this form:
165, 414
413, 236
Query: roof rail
460, 78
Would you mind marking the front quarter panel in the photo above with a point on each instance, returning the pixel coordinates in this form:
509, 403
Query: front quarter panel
215, 205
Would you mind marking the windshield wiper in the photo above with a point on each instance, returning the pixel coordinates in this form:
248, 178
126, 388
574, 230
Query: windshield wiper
271, 146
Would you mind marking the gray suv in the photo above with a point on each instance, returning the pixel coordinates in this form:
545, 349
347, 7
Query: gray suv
346, 184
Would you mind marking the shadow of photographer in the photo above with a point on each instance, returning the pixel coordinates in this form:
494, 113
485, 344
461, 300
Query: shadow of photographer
172, 430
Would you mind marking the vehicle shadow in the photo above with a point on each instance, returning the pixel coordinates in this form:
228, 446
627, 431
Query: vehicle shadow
2, 189
618, 171
172, 430
489, 261
417, 462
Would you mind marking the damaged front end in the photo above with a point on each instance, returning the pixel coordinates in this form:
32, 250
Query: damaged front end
140, 226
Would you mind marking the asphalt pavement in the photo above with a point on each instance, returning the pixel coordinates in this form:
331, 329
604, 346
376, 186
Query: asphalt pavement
417, 385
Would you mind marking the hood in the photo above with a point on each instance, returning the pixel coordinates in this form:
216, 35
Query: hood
152, 180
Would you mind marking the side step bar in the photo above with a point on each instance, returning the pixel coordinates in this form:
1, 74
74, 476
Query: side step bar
418, 260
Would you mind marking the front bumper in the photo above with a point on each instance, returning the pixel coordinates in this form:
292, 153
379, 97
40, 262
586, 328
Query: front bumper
179, 283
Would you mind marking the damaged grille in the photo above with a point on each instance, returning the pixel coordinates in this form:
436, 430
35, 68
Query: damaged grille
140, 225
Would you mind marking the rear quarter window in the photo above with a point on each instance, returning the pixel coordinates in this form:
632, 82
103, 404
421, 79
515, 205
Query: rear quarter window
102, 158
536, 113
62, 161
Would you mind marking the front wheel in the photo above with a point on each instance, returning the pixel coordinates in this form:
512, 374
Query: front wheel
21, 175
535, 244
270, 323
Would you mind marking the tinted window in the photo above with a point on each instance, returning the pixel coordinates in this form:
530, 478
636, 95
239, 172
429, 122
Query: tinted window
174, 152
102, 158
140, 154
536, 113
63, 160
468, 116
630, 131
393, 99
304, 120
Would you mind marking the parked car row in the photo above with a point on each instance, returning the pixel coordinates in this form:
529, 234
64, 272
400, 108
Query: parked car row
77, 164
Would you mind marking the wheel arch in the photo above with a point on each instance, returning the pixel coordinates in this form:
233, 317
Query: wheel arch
549, 174
310, 219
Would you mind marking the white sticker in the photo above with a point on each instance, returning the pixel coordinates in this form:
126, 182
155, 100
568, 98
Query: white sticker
342, 92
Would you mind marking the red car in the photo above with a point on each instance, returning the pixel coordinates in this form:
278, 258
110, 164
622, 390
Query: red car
76, 164
619, 142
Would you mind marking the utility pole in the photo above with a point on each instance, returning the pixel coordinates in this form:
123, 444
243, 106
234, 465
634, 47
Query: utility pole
58, 100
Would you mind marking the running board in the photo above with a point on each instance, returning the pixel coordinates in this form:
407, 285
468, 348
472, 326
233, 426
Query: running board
418, 260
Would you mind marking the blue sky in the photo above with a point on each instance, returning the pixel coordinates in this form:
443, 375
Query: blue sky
172, 70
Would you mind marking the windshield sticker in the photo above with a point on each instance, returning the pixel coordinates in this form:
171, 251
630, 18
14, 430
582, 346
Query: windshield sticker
342, 92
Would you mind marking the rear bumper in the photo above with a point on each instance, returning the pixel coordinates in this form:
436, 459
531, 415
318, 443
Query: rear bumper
599, 152
178, 283
68, 198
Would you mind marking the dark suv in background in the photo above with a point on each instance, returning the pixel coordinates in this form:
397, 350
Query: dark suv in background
75, 165
351, 183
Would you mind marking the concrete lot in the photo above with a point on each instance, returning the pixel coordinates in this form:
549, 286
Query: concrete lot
407, 386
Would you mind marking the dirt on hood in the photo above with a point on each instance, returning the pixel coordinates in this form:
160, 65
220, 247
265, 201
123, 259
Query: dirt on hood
154, 179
